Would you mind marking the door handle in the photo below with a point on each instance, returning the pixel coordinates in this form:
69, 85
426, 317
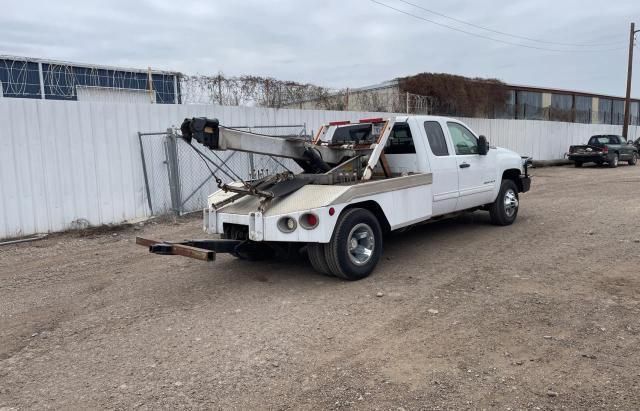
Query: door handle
465, 165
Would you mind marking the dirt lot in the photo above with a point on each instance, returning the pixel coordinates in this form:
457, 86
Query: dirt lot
544, 314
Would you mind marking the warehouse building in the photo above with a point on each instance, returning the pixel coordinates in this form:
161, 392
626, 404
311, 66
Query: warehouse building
521, 102
24, 77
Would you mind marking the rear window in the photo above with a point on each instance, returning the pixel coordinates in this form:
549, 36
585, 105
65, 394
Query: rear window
400, 140
354, 133
436, 138
602, 140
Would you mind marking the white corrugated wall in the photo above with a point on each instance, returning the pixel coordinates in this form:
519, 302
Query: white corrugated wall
62, 162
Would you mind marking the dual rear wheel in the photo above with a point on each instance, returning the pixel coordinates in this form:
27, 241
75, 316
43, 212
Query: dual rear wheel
354, 249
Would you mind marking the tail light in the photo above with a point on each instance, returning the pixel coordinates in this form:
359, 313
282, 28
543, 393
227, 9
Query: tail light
605, 149
287, 224
309, 221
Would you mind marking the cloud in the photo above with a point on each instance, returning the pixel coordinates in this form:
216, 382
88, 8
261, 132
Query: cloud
334, 43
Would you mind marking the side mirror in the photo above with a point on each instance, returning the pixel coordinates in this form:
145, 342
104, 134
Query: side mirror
483, 146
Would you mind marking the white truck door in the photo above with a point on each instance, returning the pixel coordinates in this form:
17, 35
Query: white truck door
476, 173
443, 167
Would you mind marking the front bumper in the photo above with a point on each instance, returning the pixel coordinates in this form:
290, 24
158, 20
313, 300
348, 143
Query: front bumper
525, 183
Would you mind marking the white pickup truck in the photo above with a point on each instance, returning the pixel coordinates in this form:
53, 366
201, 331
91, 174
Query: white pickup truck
359, 181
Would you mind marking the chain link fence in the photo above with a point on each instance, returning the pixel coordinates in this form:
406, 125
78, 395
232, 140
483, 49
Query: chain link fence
179, 176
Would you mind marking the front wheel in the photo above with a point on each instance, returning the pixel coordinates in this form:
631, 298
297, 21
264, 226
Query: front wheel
504, 210
355, 246
634, 159
577, 164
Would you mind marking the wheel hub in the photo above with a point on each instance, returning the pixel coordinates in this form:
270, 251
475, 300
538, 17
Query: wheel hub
510, 203
361, 244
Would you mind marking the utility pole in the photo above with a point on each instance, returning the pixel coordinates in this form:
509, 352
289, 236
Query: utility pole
627, 101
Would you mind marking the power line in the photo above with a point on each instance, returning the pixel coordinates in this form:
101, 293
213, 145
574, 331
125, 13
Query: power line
509, 34
490, 38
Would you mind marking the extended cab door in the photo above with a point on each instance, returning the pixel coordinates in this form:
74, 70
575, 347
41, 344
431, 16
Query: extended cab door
476, 174
443, 168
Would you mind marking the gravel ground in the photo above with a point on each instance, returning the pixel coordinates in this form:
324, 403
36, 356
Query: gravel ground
544, 314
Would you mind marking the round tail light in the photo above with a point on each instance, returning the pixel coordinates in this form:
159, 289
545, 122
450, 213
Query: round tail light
309, 221
287, 224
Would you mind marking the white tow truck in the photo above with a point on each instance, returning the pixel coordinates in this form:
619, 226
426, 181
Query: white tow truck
359, 181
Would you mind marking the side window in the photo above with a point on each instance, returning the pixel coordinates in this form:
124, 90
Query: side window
463, 140
437, 142
400, 140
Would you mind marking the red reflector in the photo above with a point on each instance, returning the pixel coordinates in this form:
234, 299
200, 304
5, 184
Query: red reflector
332, 211
312, 220
339, 123
372, 120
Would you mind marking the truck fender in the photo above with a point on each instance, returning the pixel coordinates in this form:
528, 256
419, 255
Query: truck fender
377, 211
514, 175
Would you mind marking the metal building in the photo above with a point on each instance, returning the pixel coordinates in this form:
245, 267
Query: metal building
523, 103
25, 77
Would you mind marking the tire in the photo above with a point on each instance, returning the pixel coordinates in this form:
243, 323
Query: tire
317, 259
614, 161
504, 210
634, 159
356, 245
577, 164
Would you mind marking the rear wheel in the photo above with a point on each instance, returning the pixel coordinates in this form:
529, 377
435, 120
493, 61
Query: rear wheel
613, 163
577, 164
355, 246
504, 210
317, 258
634, 159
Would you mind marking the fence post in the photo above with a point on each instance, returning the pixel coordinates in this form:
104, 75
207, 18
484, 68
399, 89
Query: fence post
251, 167
144, 172
173, 169
407, 102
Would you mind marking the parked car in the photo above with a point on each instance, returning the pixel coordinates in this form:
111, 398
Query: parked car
637, 144
606, 148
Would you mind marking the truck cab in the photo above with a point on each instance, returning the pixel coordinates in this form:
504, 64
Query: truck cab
358, 181
464, 176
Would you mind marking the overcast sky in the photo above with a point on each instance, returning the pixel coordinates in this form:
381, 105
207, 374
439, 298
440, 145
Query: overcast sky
334, 43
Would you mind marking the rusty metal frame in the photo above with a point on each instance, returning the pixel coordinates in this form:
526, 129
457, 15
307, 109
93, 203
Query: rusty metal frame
179, 249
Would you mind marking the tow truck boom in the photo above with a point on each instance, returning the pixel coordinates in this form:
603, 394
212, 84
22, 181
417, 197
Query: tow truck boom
311, 157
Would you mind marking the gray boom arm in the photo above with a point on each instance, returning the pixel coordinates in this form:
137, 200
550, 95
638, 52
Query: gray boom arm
209, 133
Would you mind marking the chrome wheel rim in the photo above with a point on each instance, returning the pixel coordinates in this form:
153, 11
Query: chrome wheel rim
510, 202
360, 244
615, 160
